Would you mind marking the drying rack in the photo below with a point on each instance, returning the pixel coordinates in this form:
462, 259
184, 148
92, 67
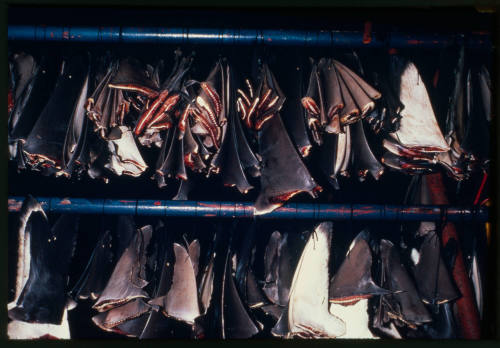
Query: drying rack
315, 211
269, 37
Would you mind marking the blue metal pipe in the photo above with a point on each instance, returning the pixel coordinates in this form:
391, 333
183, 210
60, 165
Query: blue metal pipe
246, 210
272, 37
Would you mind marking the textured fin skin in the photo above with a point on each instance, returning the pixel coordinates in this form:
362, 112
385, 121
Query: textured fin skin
283, 173
308, 314
236, 321
181, 302
45, 141
99, 268
404, 303
354, 279
433, 280
128, 277
43, 298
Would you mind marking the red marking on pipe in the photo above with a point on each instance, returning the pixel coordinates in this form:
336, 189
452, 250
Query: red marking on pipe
65, 202
269, 39
363, 211
334, 210
125, 201
435, 79
51, 34
367, 34
157, 203
468, 314
392, 51
65, 34
415, 42
208, 205
483, 182
435, 41
286, 209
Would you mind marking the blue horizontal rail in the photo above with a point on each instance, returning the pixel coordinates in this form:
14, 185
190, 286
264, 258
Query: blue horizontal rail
246, 210
272, 37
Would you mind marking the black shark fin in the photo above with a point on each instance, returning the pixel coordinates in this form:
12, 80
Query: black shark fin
333, 97
404, 304
236, 321
132, 75
363, 158
289, 252
353, 280
271, 264
98, 270
314, 103
296, 114
128, 277
43, 298
45, 141
255, 297
77, 128
328, 154
159, 176
173, 166
281, 327
248, 159
228, 159
363, 102
283, 174
433, 280
32, 98
157, 325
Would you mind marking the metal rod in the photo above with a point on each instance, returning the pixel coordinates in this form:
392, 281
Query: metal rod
272, 37
246, 210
